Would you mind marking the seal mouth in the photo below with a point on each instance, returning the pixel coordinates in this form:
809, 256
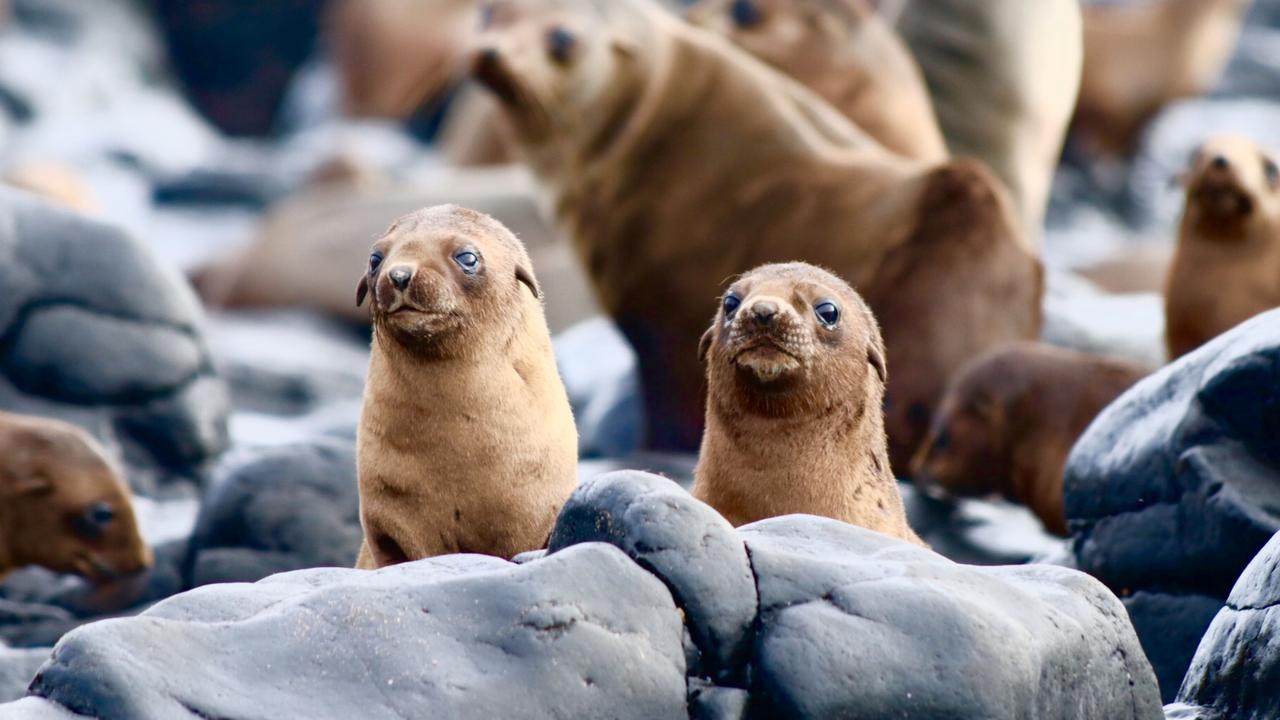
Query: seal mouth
492, 71
94, 568
767, 360
1222, 198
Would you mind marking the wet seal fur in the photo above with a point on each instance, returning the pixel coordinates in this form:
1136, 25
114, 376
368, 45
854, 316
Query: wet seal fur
1227, 265
845, 52
796, 374
466, 442
64, 504
1010, 419
674, 160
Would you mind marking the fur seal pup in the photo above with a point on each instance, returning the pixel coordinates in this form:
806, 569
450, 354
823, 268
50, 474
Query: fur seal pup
795, 422
1226, 268
1009, 420
466, 441
63, 504
844, 51
1004, 76
617, 103
1139, 57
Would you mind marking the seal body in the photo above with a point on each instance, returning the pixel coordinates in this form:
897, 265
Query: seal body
1004, 76
673, 160
845, 52
1139, 57
1227, 265
796, 374
466, 441
63, 504
1009, 420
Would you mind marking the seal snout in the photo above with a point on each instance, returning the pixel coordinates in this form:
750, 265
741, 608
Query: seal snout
400, 277
764, 312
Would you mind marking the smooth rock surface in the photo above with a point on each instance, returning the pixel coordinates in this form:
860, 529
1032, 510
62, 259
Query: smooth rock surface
1170, 628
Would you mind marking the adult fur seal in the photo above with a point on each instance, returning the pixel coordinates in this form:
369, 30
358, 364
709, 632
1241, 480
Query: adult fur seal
1009, 420
63, 503
1139, 57
674, 160
796, 374
844, 51
1004, 76
1227, 265
466, 442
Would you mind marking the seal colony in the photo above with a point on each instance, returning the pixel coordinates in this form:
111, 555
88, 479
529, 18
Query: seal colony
672, 160
466, 443
796, 374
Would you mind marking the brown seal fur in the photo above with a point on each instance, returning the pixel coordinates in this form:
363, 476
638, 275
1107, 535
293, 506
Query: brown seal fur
1003, 76
844, 51
466, 441
63, 504
1140, 56
795, 421
1009, 420
1227, 265
675, 160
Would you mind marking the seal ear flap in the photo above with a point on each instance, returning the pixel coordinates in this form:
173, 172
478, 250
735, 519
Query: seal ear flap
526, 277
704, 345
362, 290
623, 47
875, 356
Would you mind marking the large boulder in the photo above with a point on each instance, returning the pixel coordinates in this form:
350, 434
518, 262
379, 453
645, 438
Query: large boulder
96, 331
275, 509
1236, 671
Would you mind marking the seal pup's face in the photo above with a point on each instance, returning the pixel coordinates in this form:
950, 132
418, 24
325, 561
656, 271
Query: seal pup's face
1231, 181
556, 67
69, 508
781, 32
961, 457
792, 339
446, 280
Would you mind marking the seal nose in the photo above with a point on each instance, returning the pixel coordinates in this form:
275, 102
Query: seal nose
1220, 162
400, 277
764, 312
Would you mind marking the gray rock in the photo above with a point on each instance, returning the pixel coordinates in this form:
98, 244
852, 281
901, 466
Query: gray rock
856, 624
33, 708
1170, 627
1176, 485
94, 330
599, 372
274, 509
17, 667
684, 542
1236, 671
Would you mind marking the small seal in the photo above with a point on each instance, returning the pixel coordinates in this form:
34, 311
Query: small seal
466, 441
63, 504
844, 51
1227, 265
1009, 420
796, 378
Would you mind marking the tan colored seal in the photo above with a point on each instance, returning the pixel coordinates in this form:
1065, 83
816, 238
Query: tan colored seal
63, 504
1139, 57
844, 51
1004, 76
674, 160
1009, 421
796, 375
1227, 265
466, 441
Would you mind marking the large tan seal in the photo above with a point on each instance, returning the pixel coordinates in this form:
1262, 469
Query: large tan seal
466, 441
1004, 77
1009, 421
63, 504
1140, 56
795, 422
1227, 265
844, 51
674, 160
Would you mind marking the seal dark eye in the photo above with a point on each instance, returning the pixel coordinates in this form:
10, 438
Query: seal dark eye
375, 261
100, 513
731, 303
746, 13
487, 12
560, 44
468, 261
828, 313
1272, 172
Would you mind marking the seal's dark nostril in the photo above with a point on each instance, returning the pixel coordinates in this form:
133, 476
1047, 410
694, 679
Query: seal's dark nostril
400, 277
1220, 163
764, 312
